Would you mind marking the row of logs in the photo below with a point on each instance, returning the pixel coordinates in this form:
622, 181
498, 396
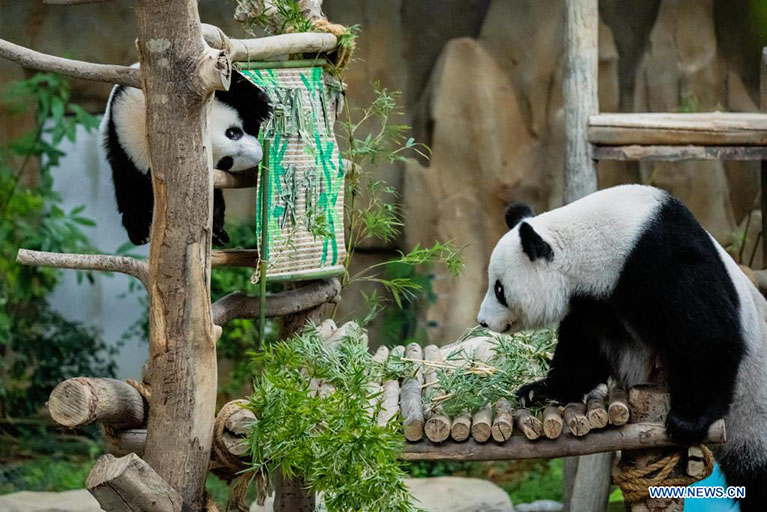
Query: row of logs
497, 421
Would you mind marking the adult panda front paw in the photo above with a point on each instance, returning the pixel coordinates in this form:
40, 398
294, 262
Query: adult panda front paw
687, 427
534, 393
220, 236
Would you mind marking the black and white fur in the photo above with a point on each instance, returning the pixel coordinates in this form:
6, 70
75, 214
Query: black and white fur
641, 293
234, 119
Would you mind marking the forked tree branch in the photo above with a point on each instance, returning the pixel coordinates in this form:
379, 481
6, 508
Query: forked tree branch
243, 50
239, 305
103, 262
32, 59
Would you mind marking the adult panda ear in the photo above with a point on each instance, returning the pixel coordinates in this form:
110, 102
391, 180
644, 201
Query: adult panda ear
533, 245
515, 212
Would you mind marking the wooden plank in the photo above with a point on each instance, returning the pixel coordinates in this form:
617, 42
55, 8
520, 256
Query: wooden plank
636, 436
679, 153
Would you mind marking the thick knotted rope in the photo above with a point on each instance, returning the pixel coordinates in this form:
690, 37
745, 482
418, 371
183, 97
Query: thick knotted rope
635, 482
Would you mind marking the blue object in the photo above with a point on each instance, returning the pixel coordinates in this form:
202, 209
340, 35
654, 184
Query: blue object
711, 504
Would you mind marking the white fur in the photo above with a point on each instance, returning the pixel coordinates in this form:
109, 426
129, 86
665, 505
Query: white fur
129, 111
591, 239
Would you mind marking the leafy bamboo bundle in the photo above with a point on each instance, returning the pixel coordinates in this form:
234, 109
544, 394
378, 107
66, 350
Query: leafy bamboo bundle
332, 442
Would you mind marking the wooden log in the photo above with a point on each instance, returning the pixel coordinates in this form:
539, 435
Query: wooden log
102, 262
696, 464
227, 179
665, 153
503, 422
390, 396
575, 419
123, 442
708, 128
618, 410
528, 424
31, 59
595, 407
375, 388
482, 421
579, 89
129, 484
634, 436
552, 422
437, 427
461, 427
79, 401
234, 258
410, 398
289, 302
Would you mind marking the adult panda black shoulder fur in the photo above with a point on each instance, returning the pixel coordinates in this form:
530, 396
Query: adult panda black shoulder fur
641, 293
234, 121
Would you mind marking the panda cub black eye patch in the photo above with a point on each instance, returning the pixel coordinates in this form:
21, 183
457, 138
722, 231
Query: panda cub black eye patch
233, 133
499, 296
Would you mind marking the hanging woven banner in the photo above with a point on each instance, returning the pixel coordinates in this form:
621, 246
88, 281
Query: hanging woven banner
305, 198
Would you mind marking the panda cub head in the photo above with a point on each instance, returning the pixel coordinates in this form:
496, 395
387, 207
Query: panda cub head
526, 289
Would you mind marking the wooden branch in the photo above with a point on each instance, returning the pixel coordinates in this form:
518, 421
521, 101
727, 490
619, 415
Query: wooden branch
460, 430
528, 424
390, 397
575, 419
239, 305
595, 407
123, 442
234, 258
503, 423
79, 401
410, 397
437, 427
679, 153
129, 484
72, 2
102, 262
636, 436
244, 50
31, 59
242, 179
482, 421
552, 422
618, 409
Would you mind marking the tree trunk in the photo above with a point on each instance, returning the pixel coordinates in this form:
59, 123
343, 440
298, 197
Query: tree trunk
181, 345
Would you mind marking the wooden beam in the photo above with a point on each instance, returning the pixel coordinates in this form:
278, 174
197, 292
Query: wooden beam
636, 436
710, 128
80, 401
679, 153
102, 262
580, 95
31, 59
289, 302
129, 484
234, 258
179, 72
244, 50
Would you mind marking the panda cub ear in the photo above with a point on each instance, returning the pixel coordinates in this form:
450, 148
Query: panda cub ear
533, 245
515, 212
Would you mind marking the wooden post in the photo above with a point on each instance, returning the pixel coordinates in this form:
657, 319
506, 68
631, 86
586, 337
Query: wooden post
580, 95
178, 78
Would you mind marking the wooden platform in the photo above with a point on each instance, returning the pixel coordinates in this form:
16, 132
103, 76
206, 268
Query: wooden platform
700, 129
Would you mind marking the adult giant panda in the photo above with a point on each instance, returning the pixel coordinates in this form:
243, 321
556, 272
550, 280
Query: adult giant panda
234, 120
641, 293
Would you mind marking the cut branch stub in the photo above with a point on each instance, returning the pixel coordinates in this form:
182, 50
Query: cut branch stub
503, 423
243, 50
80, 401
129, 484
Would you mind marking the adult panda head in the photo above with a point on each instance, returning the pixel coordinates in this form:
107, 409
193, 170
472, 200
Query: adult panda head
526, 289
234, 119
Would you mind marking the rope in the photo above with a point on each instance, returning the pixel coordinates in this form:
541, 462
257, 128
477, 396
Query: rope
635, 482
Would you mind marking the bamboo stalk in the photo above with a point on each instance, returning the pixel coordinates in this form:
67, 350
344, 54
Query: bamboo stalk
528, 424
575, 419
552, 422
618, 410
595, 407
437, 425
503, 423
410, 398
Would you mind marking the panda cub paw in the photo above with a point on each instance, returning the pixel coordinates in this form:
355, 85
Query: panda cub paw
687, 427
535, 392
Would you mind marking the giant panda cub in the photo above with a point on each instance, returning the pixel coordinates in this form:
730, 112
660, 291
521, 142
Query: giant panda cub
641, 293
234, 120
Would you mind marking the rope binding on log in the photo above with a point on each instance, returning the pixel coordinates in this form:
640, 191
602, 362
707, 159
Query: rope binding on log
636, 482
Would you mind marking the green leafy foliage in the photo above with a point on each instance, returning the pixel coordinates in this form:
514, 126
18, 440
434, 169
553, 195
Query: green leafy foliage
38, 347
331, 440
